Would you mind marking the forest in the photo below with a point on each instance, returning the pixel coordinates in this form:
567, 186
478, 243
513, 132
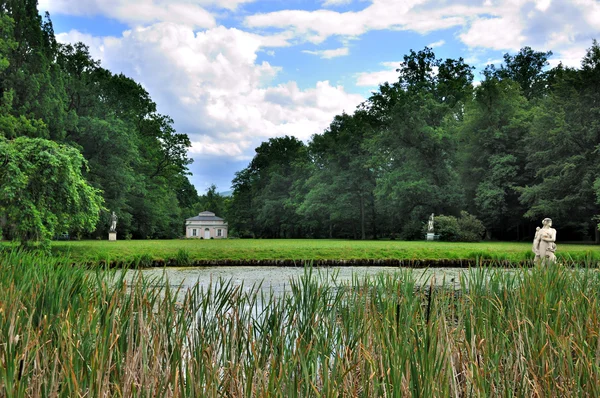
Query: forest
77, 141
520, 144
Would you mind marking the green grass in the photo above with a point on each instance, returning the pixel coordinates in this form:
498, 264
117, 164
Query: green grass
69, 332
305, 249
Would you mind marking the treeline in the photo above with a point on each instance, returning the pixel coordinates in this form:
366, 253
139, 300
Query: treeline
56, 92
521, 145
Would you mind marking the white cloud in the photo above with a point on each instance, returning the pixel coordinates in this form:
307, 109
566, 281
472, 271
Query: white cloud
328, 54
542, 5
316, 26
437, 44
571, 56
504, 25
374, 79
212, 85
485, 33
135, 12
333, 3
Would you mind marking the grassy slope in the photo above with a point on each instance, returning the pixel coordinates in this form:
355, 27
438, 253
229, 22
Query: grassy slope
305, 249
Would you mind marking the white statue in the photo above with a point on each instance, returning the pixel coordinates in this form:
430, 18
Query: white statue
113, 222
430, 224
543, 242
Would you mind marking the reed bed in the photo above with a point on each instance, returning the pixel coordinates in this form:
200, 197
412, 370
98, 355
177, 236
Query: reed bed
69, 332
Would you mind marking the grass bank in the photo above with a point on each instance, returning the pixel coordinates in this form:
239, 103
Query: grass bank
67, 332
296, 250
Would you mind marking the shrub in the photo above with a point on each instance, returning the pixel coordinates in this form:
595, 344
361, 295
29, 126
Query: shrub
466, 228
448, 228
412, 230
470, 227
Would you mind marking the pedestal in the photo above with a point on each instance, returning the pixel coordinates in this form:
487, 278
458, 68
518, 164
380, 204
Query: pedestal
430, 235
112, 236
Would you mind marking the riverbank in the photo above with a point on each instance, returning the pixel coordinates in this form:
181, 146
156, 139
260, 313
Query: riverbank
296, 252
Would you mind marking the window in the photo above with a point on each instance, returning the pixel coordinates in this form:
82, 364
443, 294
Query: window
219, 232
194, 232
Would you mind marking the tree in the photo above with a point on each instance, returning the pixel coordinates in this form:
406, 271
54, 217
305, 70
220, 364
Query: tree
343, 182
492, 156
42, 190
564, 150
262, 203
212, 201
527, 69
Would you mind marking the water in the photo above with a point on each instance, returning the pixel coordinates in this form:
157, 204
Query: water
276, 279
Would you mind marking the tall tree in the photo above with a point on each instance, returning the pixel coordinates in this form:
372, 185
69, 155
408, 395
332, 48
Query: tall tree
262, 198
527, 69
492, 155
563, 149
343, 182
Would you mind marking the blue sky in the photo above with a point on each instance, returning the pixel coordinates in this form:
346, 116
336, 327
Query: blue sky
234, 73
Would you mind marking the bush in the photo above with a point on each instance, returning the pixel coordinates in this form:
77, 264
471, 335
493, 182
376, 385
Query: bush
447, 227
470, 227
467, 228
412, 230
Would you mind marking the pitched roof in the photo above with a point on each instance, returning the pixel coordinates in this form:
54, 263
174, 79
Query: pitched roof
205, 216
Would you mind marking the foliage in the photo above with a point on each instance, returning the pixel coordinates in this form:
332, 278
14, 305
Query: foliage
262, 203
58, 92
471, 229
212, 201
447, 228
42, 191
520, 146
466, 228
127, 334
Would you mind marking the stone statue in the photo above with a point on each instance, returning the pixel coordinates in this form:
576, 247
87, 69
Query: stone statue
113, 222
430, 224
543, 242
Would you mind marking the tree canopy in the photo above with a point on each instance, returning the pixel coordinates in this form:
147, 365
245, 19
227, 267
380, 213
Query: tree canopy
520, 145
131, 155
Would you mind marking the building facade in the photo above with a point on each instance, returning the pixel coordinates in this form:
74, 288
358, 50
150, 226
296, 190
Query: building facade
206, 226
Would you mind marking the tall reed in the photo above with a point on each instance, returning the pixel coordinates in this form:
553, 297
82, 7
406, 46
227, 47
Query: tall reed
65, 331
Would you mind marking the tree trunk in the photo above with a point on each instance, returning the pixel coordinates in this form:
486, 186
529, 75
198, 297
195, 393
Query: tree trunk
374, 217
597, 236
362, 218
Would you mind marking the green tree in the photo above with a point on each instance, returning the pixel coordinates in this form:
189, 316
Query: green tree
492, 155
564, 149
42, 190
262, 203
212, 201
526, 68
342, 181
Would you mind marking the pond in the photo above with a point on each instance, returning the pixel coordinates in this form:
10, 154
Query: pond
277, 279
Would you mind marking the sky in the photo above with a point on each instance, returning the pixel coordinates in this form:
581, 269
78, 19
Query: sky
234, 73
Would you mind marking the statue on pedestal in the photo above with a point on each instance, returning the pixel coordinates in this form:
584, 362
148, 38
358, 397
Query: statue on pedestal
113, 222
544, 244
430, 224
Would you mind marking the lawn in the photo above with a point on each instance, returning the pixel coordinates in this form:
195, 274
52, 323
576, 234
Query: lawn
307, 249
